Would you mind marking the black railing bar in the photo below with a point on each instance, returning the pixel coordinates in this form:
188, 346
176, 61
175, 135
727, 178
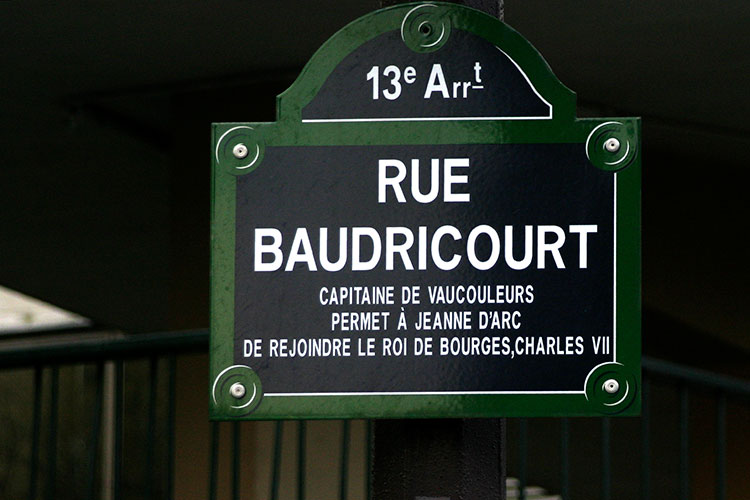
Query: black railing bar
25, 334
502, 462
107, 457
171, 422
153, 372
36, 427
684, 443
214, 465
696, 376
119, 410
276, 468
51, 479
606, 461
236, 443
565, 458
301, 458
368, 460
721, 448
645, 440
523, 448
344, 475
96, 429
83, 349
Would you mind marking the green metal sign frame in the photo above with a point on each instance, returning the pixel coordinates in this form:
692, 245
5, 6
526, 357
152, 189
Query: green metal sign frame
611, 388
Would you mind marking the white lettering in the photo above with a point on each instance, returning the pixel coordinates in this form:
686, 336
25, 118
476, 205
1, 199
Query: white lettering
445, 265
553, 248
394, 182
273, 248
436, 83
583, 230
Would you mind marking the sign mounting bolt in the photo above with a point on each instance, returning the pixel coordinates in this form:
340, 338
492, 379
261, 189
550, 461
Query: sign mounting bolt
237, 390
612, 145
239, 151
611, 386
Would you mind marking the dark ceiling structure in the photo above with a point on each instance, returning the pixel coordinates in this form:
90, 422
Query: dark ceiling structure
105, 113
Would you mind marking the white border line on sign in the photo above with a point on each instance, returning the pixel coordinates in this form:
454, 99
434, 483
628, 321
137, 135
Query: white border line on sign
448, 118
614, 272
425, 119
461, 393
438, 393
545, 101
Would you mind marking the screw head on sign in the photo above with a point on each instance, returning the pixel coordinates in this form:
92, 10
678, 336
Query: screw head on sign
239, 151
237, 390
612, 145
611, 386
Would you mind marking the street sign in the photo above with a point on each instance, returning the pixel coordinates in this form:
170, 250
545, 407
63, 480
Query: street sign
427, 230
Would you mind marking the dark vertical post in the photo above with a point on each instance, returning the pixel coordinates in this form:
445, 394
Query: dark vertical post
344, 484
606, 463
278, 442
301, 457
171, 418
236, 439
37, 426
96, 430
119, 408
721, 447
523, 455
492, 7
52, 446
565, 458
684, 443
646, 441
368, 462
153, 374
442, 459
213, 470
438, 459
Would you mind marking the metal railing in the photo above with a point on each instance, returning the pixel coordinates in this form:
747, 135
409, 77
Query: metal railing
106, 355
101, 452
678, 385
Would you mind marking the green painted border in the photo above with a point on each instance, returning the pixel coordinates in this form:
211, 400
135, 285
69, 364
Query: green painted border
288, 130
327, 57
221, 347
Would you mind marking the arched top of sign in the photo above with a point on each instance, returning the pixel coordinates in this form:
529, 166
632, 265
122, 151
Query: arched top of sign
426, 62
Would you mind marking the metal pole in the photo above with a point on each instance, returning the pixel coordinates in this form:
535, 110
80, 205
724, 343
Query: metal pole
442, 458
491, 7
108, 437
